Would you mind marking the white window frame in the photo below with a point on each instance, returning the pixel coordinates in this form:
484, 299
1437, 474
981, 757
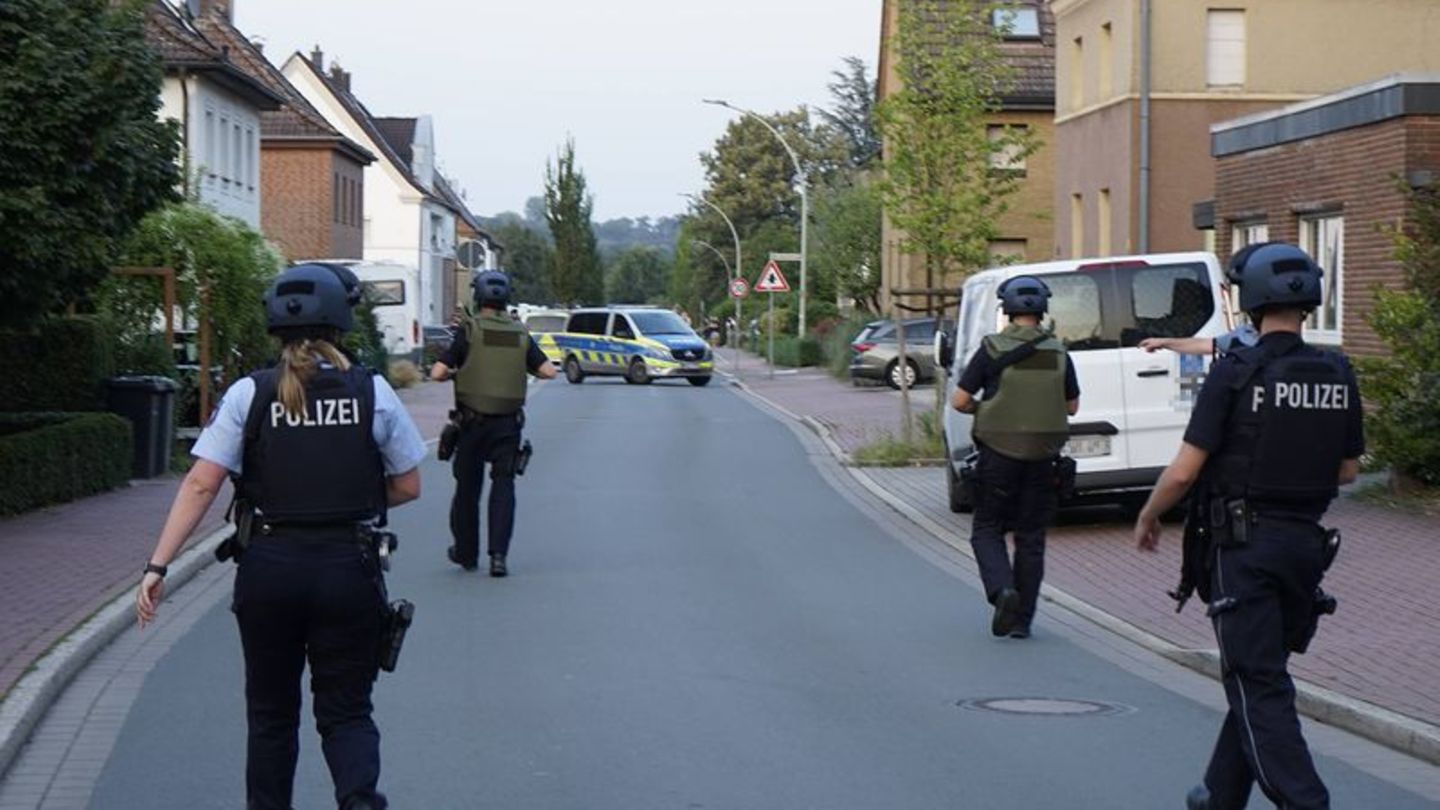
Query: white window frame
1225, 47
1244, 234
1323, 237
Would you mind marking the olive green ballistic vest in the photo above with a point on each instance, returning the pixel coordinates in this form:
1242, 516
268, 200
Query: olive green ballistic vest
492, 379
1028, 419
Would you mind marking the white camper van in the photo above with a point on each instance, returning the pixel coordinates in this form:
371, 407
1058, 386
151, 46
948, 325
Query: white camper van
1134, 405
394, 292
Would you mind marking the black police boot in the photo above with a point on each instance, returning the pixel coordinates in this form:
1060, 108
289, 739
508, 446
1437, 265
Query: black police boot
1007, 612
1020, 631
1198, 798
497, 565
455, 558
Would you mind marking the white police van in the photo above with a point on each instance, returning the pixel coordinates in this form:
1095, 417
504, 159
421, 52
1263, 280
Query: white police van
1134, 405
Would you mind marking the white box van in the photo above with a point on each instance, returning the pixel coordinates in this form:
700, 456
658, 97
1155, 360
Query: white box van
1134, 405
394, 292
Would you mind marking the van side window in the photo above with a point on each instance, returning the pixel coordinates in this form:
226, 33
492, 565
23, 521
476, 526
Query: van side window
620, 328
1166, 301
587, 323
1075, 311
384, 293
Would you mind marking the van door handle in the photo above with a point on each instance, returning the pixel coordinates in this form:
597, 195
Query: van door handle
1153, 372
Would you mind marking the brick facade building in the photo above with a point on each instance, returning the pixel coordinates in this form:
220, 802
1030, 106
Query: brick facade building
1328, 175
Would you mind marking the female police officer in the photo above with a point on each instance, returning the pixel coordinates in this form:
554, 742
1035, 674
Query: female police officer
318, 447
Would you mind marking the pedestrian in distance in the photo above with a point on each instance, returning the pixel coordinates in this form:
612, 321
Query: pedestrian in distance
1276, 429
319, 449
488, 360
1022, 388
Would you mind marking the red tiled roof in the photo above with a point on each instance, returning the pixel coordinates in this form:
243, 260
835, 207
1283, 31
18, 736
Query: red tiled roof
181, 44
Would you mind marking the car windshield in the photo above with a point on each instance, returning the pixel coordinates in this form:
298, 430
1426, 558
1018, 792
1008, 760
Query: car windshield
660, 322
545, 323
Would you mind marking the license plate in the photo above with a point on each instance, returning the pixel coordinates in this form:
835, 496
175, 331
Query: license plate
690, 366
1087, 447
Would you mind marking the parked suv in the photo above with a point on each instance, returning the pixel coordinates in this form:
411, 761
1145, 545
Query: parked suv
1134, 405
877, 352
638, 343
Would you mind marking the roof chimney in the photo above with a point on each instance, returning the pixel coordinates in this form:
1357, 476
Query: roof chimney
317, 58
339, 78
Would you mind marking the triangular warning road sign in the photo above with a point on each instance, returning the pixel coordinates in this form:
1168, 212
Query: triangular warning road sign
771, 279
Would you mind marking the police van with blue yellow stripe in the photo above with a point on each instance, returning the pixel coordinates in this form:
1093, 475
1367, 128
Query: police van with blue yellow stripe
640, 344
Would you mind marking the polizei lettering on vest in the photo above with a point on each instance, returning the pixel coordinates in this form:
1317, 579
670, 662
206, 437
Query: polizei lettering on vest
1305, 396
326, 413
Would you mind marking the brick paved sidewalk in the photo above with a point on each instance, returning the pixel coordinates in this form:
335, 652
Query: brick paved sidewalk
1383, 646
62, 563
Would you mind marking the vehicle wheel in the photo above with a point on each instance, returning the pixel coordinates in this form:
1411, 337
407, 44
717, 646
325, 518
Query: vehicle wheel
892, 374
699, 382
637, 374
960, 502
572, 370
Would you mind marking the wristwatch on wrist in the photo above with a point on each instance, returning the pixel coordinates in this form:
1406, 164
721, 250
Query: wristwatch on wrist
152, 568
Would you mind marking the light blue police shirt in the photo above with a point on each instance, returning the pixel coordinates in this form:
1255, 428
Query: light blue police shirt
222, 441
1243, 335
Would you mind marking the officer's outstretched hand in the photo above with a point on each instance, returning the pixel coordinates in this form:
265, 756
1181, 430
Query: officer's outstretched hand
147, 599
1147, 533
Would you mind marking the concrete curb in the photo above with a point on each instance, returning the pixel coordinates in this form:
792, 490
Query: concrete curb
32, 696
1376, 723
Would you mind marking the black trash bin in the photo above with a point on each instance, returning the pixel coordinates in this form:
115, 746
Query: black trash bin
149, 404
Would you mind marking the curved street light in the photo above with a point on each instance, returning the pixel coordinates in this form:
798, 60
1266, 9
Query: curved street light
736, 272
804, 191
716, 251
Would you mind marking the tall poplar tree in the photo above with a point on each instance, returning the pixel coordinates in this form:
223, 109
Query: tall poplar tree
576, 276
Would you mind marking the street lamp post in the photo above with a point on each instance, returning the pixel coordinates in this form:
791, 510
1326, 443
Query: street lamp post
804, 193
730, 334
734, 234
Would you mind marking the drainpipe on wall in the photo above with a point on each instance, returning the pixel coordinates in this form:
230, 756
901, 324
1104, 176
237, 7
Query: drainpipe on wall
185, 132
1144, 223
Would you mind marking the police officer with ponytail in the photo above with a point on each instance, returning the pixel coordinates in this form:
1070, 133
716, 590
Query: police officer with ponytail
320, 448
488, 360
1021, 423
1276, 429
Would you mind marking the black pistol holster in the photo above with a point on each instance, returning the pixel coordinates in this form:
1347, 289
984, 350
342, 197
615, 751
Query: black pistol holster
449, 437
1323, 604
522, 457
399, 616
1197, 556
970, 476
242, 515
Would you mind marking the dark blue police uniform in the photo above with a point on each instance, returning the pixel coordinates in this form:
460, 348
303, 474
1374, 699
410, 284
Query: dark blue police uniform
1277, 419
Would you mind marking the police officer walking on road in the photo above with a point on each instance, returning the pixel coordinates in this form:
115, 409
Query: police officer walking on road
489, 360
321, 448
1276, 429
1021, 423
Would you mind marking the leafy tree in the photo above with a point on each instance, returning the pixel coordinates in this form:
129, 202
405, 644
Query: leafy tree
528, 260
576, 276
846, 240
85, 157
853, 115
637, 275
940, 185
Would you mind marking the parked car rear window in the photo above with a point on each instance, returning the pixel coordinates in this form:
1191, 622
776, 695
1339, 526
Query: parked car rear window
588, 323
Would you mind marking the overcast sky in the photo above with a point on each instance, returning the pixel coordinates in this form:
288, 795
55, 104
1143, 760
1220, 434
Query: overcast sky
506, 81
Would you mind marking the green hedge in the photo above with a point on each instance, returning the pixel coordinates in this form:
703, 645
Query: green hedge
60, 365
794, 352
50, 458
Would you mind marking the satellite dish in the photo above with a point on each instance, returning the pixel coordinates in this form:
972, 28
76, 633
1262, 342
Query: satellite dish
470, 254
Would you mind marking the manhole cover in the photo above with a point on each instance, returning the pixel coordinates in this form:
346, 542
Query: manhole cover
1045, 707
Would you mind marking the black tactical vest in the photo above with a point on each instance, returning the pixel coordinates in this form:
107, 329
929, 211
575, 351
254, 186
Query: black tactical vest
322, 467
1287, 426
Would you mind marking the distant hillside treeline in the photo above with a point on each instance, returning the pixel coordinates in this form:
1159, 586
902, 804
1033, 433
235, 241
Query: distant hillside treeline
611, 236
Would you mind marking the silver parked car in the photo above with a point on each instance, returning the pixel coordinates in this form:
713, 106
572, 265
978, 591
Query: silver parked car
877, 353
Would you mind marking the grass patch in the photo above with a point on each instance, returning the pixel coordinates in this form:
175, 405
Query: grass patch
924, 447
1418, 500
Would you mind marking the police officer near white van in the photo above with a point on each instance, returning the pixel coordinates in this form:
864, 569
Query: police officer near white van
489, 360
1276, 429
321, 448
1021, 423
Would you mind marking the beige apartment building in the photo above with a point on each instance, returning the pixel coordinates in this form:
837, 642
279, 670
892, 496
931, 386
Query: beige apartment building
1027, 228
1132, 127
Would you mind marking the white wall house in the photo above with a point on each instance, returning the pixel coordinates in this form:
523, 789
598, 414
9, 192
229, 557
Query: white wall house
405, 221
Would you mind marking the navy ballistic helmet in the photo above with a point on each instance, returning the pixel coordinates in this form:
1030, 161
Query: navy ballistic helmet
1232, 271
1025, 295
1277, 274
307, 296
348, 279
492, 289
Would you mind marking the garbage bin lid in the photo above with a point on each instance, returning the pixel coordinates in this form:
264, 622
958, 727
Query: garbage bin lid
143, 383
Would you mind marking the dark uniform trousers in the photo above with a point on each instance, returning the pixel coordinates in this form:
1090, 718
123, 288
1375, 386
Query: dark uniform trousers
494, 440
1272, 580
1019, 496
310, 596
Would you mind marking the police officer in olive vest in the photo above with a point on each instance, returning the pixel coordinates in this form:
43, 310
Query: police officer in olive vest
488, 360
1276, 429
1021, 423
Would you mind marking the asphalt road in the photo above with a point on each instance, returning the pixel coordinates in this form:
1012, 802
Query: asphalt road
696, 618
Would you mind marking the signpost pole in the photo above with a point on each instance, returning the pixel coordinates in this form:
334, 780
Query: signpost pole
771, 323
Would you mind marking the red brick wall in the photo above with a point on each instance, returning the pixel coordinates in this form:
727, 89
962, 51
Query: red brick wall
1353, 172
297, 207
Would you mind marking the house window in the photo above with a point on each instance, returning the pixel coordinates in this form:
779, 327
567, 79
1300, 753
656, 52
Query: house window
1103, 221
1323, 237
1077, 73
210, 142
359, 200
1225, 48
1017, 23
1006, 156
1007, 251
251, 175
335, 197
1243, 234
235, 148
1107, 59
1077, 226
222, 156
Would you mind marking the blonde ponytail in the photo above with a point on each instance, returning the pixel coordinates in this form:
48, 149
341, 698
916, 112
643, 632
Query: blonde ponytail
298, 361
